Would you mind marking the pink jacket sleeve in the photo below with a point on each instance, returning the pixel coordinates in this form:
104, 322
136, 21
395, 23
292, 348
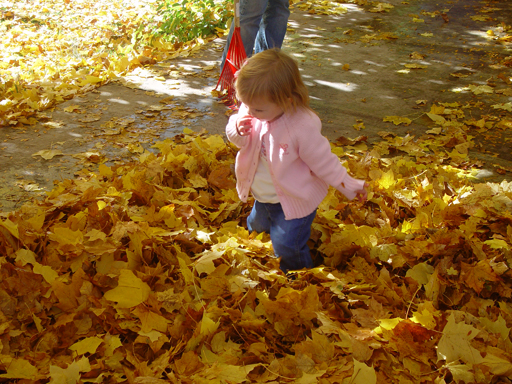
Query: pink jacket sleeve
231, 132
315, 151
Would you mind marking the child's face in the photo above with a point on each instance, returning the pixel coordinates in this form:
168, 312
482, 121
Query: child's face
263, 109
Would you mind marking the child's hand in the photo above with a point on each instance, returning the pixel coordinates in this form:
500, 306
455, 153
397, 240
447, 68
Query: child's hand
362, 194
244, 125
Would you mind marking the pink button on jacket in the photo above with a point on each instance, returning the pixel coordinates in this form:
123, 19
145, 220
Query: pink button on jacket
300, 160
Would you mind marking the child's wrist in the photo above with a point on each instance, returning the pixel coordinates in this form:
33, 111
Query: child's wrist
237, 129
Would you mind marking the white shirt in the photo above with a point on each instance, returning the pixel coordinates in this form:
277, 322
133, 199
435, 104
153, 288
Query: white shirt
262, 187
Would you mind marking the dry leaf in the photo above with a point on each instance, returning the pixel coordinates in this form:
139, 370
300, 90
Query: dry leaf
48, 154
130, 291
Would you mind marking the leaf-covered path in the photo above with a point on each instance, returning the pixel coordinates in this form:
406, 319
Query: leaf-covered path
139, 269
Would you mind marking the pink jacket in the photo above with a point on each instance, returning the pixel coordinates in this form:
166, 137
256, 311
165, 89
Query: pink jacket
300, 160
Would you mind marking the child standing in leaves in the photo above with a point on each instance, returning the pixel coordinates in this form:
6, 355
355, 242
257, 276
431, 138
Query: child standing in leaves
284, 160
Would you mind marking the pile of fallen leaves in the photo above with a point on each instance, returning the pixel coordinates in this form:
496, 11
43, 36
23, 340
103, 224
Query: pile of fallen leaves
145, 273
53, 50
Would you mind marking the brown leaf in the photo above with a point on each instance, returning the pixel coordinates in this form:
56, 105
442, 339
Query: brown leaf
476, 276
188, 364
222, 177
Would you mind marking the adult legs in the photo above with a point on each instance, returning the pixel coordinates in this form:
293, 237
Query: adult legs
272, 28
251, 14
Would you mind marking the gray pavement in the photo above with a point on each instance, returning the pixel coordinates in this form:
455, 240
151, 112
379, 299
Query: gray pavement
360, 67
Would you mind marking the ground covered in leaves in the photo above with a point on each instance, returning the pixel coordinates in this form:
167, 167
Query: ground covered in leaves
52, 51
144, 272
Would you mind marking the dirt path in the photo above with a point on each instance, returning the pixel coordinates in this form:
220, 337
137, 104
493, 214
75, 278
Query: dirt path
360, 67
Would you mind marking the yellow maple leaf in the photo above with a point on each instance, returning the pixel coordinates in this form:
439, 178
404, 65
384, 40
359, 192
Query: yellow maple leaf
94, 234
48, 154
425, 318
185, 271
479, 89
20, 369
505, 106
381, 7
87, 345
499, 326
359, 126
319, 348
90, 80
505, 124
25, 256
135, 148
72, 108
111, 344
151, 320
480, 18
397, 120
438, 119
205, 262
459, 75
70, 374
388, 324
130, 291
461, 372
105, 171
226, 373
415, 66
386, 180
37, 220
498, 366
455, 342
208, 326
310, 378
66, 236
11, 227
363, 374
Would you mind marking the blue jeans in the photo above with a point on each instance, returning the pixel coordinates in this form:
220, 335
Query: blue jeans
289, 237
262, 25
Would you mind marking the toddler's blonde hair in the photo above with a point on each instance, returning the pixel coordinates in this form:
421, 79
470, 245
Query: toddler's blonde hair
274, 75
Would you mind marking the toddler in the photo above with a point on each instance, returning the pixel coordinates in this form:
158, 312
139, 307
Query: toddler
284, 160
